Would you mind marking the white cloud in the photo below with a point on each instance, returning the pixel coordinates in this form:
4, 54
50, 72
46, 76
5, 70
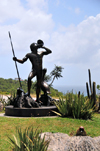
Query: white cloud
38, 5
74, 10
70, 45
80, 45
70, 8
57, 2
32, 24
10, 9
77, 10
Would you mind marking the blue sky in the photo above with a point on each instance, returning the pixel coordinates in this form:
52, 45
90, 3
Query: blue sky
71, 29
73, 12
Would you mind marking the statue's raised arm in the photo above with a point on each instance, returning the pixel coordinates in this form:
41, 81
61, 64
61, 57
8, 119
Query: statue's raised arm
48, 51
40, 44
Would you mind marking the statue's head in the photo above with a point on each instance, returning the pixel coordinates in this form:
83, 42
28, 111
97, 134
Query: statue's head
33, 47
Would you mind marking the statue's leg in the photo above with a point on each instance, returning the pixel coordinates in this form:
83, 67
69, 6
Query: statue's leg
31, 75
39, 80
38, 90
43, 73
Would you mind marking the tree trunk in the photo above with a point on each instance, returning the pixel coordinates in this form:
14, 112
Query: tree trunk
52, 81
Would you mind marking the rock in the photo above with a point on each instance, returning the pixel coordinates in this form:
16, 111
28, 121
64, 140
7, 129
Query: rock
46, 100
23, 100
63, 142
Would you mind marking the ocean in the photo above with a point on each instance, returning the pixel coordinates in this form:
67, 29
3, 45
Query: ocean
64, 89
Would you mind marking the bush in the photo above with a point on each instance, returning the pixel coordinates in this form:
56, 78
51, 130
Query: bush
10, 100
28, 140
75, 106
3, 102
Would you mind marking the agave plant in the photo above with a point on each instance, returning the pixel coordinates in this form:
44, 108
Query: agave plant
75, 106
28, 140
63, 106
88, 109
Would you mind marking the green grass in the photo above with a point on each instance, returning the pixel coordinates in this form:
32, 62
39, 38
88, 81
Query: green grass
56, 124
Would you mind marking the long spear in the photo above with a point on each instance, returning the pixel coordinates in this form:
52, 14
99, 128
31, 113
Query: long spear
15, 61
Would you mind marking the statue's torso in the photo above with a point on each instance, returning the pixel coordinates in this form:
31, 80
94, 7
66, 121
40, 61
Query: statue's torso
36, 60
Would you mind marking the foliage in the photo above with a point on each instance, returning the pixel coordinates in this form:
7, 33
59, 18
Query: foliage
28, 140
47, 78
98, 87
75, 106
10, 100
4, 102
55, 92
9, 86
56, 73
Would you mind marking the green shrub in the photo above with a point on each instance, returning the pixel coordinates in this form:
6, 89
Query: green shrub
75, 106
3, 101
28, 140
10, 100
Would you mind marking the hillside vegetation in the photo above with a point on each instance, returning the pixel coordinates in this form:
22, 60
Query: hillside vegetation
7, 86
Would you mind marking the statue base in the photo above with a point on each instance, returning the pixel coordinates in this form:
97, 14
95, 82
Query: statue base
30, 112
25, 106
23, 100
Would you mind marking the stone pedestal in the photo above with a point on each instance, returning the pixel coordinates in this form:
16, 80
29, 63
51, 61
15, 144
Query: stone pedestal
30, 112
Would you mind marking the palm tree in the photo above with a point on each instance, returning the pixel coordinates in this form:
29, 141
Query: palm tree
56, 73
47, 78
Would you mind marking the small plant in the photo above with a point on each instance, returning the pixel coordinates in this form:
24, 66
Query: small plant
75, 106
3, 102
28, 140
10, 100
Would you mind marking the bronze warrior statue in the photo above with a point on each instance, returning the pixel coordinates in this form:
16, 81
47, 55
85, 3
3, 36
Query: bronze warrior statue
35, 58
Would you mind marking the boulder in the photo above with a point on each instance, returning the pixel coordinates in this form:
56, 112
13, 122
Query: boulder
63, 142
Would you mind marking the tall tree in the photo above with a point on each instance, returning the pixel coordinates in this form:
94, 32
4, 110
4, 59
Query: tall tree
47, 78
56, 73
